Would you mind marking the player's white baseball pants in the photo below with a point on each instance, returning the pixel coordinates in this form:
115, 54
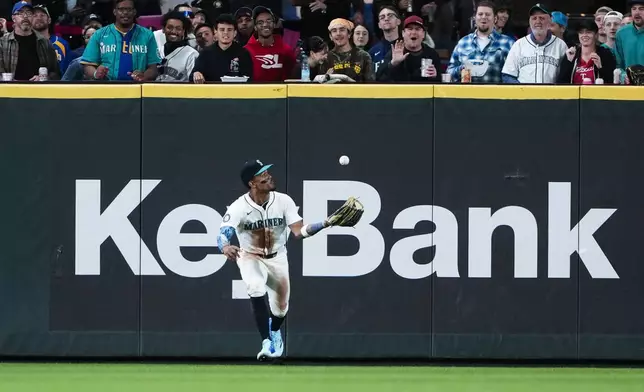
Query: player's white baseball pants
267, 275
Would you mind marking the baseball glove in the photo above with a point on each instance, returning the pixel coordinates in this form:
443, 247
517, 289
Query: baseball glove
348, 215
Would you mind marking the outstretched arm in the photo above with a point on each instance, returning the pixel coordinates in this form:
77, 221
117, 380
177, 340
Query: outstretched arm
303, 231
223, 242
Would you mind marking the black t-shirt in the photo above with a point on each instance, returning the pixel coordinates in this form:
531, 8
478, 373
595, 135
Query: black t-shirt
28, 62
413, 64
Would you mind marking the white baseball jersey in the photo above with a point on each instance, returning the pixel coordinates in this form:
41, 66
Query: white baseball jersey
262, 231
533, 63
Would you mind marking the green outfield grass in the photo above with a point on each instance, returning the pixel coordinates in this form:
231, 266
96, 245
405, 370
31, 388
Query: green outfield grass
188, 378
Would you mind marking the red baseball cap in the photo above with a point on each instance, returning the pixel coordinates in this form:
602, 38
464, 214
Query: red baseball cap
414, 19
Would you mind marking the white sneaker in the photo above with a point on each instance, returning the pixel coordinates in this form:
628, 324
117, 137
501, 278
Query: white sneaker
265, 352
278, 344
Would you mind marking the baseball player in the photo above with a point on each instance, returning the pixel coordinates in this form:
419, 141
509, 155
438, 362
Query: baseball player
262, 219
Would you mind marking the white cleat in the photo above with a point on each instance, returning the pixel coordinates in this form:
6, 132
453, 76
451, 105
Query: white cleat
278, 344
265, 351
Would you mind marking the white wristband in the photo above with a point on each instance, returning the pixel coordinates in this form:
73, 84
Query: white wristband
304, 231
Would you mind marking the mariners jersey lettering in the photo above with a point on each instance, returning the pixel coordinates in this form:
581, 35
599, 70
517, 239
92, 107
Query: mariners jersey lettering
261, 230
533, 63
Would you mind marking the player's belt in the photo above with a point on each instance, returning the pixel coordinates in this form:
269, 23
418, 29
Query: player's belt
263, 256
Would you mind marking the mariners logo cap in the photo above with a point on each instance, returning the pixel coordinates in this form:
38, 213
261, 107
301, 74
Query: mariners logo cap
20, 5
253, 168
539, 7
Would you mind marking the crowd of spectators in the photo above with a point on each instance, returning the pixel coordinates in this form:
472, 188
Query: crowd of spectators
420, 41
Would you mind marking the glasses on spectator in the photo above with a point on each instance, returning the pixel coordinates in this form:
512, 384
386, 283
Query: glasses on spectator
188, 14
125, 10
25, 14
264, 22
386, 16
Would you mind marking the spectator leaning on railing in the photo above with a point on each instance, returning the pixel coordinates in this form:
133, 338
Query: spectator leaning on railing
408, 61
629, 40
273, 60
123, 50
318, 51
225, 57
484, 44
588, 61
23, 51
178, 56
535, 58
352, 64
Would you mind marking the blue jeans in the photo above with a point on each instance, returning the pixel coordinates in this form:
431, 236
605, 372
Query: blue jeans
74, 71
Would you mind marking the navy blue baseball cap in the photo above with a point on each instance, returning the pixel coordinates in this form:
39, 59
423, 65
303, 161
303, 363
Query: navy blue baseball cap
19, 6
244, 11
253, 168
539, 8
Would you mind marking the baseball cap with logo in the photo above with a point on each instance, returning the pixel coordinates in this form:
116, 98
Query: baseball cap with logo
91, 17
253, 168
43, 9
19, 6
414, 19
560, 18
539, 8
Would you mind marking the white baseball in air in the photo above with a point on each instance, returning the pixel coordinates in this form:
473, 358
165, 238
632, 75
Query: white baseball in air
344, 160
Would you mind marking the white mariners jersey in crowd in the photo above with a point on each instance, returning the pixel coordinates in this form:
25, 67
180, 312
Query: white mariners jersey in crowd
178, 65
532, 63
262, 231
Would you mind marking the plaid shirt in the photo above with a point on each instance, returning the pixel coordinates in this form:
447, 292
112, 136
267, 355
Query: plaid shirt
494, 53
46, 55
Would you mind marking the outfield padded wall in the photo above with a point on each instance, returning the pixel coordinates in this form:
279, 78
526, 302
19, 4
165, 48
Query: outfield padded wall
162, 162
